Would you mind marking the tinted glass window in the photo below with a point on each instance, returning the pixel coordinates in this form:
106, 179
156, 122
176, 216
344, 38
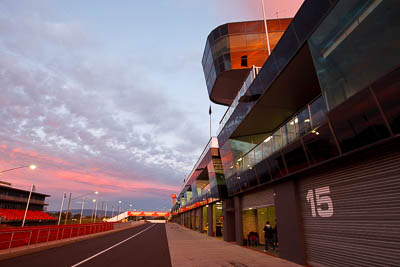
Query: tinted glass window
358, 122
295, 157
277, 140
303, 122
251, 177
308, 17
286, 48
268, 72
263, 171
320, 145
243, 182
277, 166
346, 56
318, 112
387, 91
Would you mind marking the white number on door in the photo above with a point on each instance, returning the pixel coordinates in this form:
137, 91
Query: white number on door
324, 203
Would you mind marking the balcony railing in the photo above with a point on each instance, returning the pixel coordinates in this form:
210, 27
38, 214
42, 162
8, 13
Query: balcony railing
246, 84
302, 123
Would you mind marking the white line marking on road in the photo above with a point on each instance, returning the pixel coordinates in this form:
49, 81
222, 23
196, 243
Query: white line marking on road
101, 252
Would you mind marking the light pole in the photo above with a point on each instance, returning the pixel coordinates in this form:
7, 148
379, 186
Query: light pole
119, 202
112, 214
95, 210
105, 212
32, 167
69, 203
62, 204
83, 202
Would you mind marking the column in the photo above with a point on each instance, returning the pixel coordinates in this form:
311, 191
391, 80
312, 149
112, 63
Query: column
238, 222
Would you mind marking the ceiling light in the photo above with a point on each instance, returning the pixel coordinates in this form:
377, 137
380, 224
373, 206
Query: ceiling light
268, 138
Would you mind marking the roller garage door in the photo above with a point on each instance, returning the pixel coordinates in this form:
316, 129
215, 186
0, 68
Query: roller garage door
351, 210
257, 198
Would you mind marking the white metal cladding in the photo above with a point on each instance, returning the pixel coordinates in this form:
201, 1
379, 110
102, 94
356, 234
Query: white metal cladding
361, 226
257, 199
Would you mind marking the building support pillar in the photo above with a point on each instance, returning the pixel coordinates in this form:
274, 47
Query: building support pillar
201, 220
289, 221
210, 220
229, 220
238, 221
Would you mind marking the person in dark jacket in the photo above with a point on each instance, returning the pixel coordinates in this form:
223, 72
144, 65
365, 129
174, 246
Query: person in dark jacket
268, 236
275, 235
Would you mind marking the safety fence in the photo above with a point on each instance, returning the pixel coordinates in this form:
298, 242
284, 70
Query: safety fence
22, 236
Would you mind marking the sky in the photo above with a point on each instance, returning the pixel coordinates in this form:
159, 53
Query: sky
109, 96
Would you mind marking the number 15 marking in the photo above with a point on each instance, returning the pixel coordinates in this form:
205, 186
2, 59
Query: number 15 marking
322, 210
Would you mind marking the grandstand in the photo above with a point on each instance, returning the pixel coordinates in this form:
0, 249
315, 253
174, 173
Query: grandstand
13, 204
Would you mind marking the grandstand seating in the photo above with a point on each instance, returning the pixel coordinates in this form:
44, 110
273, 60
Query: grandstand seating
18, 215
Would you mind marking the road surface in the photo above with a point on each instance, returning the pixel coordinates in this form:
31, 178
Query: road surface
144, 245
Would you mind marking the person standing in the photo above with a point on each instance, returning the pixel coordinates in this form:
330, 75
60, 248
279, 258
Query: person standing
275, 235
268, 236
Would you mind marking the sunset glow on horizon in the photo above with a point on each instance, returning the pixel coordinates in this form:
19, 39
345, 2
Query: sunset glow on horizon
117, 105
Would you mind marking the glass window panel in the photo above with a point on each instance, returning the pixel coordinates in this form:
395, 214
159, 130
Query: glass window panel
255, 41
358, 122
345, 56
223, 29
251, 177
295, 157
288, 45
277, 166
258, 154
268, 73
267, 147
263, 173
308, 16
291, 130
277, 140
257, 57
320, 145
255, 26
318, 112
304, 122
387, 91
285, 138
237, 42
246, 162
242, 179
236, 28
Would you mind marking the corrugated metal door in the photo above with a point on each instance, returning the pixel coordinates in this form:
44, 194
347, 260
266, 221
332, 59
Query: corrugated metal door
257, 199
351, 211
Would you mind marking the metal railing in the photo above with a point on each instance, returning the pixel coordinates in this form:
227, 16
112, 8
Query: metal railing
246, 84
16, 236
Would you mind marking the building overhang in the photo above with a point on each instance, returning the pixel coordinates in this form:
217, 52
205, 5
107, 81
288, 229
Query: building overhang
296, 85
227, 85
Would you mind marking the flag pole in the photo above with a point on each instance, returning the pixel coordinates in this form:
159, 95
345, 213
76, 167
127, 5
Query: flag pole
27, 205
266, 28
209, 112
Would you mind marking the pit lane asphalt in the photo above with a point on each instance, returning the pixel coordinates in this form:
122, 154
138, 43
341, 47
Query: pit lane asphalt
144, 245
